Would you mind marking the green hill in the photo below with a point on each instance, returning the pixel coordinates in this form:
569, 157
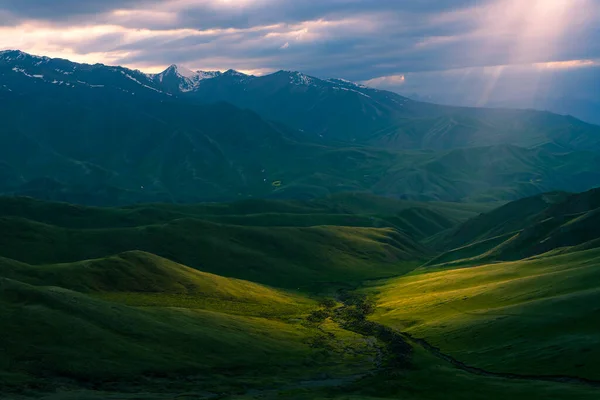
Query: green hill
128, 320
524, 228
83, 347
418, 219
284, 257
509, 218
530, 317
140, 278
154, 301
53, 333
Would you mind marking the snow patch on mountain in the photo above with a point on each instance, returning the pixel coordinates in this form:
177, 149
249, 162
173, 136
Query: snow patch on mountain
15, 55
24, 72
344, 82
300, 79
140, 83
207, 74
183, 71
355, 91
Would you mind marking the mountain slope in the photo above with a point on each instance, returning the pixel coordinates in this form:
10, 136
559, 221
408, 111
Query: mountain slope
325, 109
531, 317
110, 137
24, 73
169, 149
343, 111
507, 219
178, 79
136, 276
281, 257
48, 334
415, 219
553, 222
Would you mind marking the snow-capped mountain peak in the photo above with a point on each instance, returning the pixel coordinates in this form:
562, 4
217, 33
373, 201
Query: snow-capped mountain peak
183, 78
173, 81
18, 55
13, 54
181, 71
207, 74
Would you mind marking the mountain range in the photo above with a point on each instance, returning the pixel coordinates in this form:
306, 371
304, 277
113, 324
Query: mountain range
104, 135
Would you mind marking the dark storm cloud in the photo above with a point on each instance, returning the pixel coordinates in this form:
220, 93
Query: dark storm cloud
61, 10
293, 11
209, 13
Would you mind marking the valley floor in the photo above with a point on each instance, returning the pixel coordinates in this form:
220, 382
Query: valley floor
309, 311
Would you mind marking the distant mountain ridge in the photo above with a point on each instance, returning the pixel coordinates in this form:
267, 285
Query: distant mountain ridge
103, 135
325, 109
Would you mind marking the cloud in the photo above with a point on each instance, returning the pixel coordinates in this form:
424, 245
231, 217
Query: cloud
392, 81
224, 13
526, 85
65, 9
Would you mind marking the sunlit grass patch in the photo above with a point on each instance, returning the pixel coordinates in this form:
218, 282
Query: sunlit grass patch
534, 316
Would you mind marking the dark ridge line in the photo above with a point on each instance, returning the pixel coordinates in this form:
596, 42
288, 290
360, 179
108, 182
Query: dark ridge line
507, 375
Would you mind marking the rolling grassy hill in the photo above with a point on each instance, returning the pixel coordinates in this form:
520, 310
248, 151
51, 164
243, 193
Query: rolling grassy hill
356, 207
141, 278
71, 325
284, 257
94, 349
474, 174
53, 336
524, 228
529, 317
512, 217
157, 300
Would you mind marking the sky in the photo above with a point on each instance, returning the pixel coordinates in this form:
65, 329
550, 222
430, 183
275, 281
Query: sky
473, 52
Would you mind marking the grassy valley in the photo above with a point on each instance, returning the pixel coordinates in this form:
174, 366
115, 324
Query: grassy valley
346, 297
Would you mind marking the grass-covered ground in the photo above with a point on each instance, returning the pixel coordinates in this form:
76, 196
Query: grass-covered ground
58, 333
531, 317
162, 322
428, 379
228, 301
143, 279
290, 257
347, 209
